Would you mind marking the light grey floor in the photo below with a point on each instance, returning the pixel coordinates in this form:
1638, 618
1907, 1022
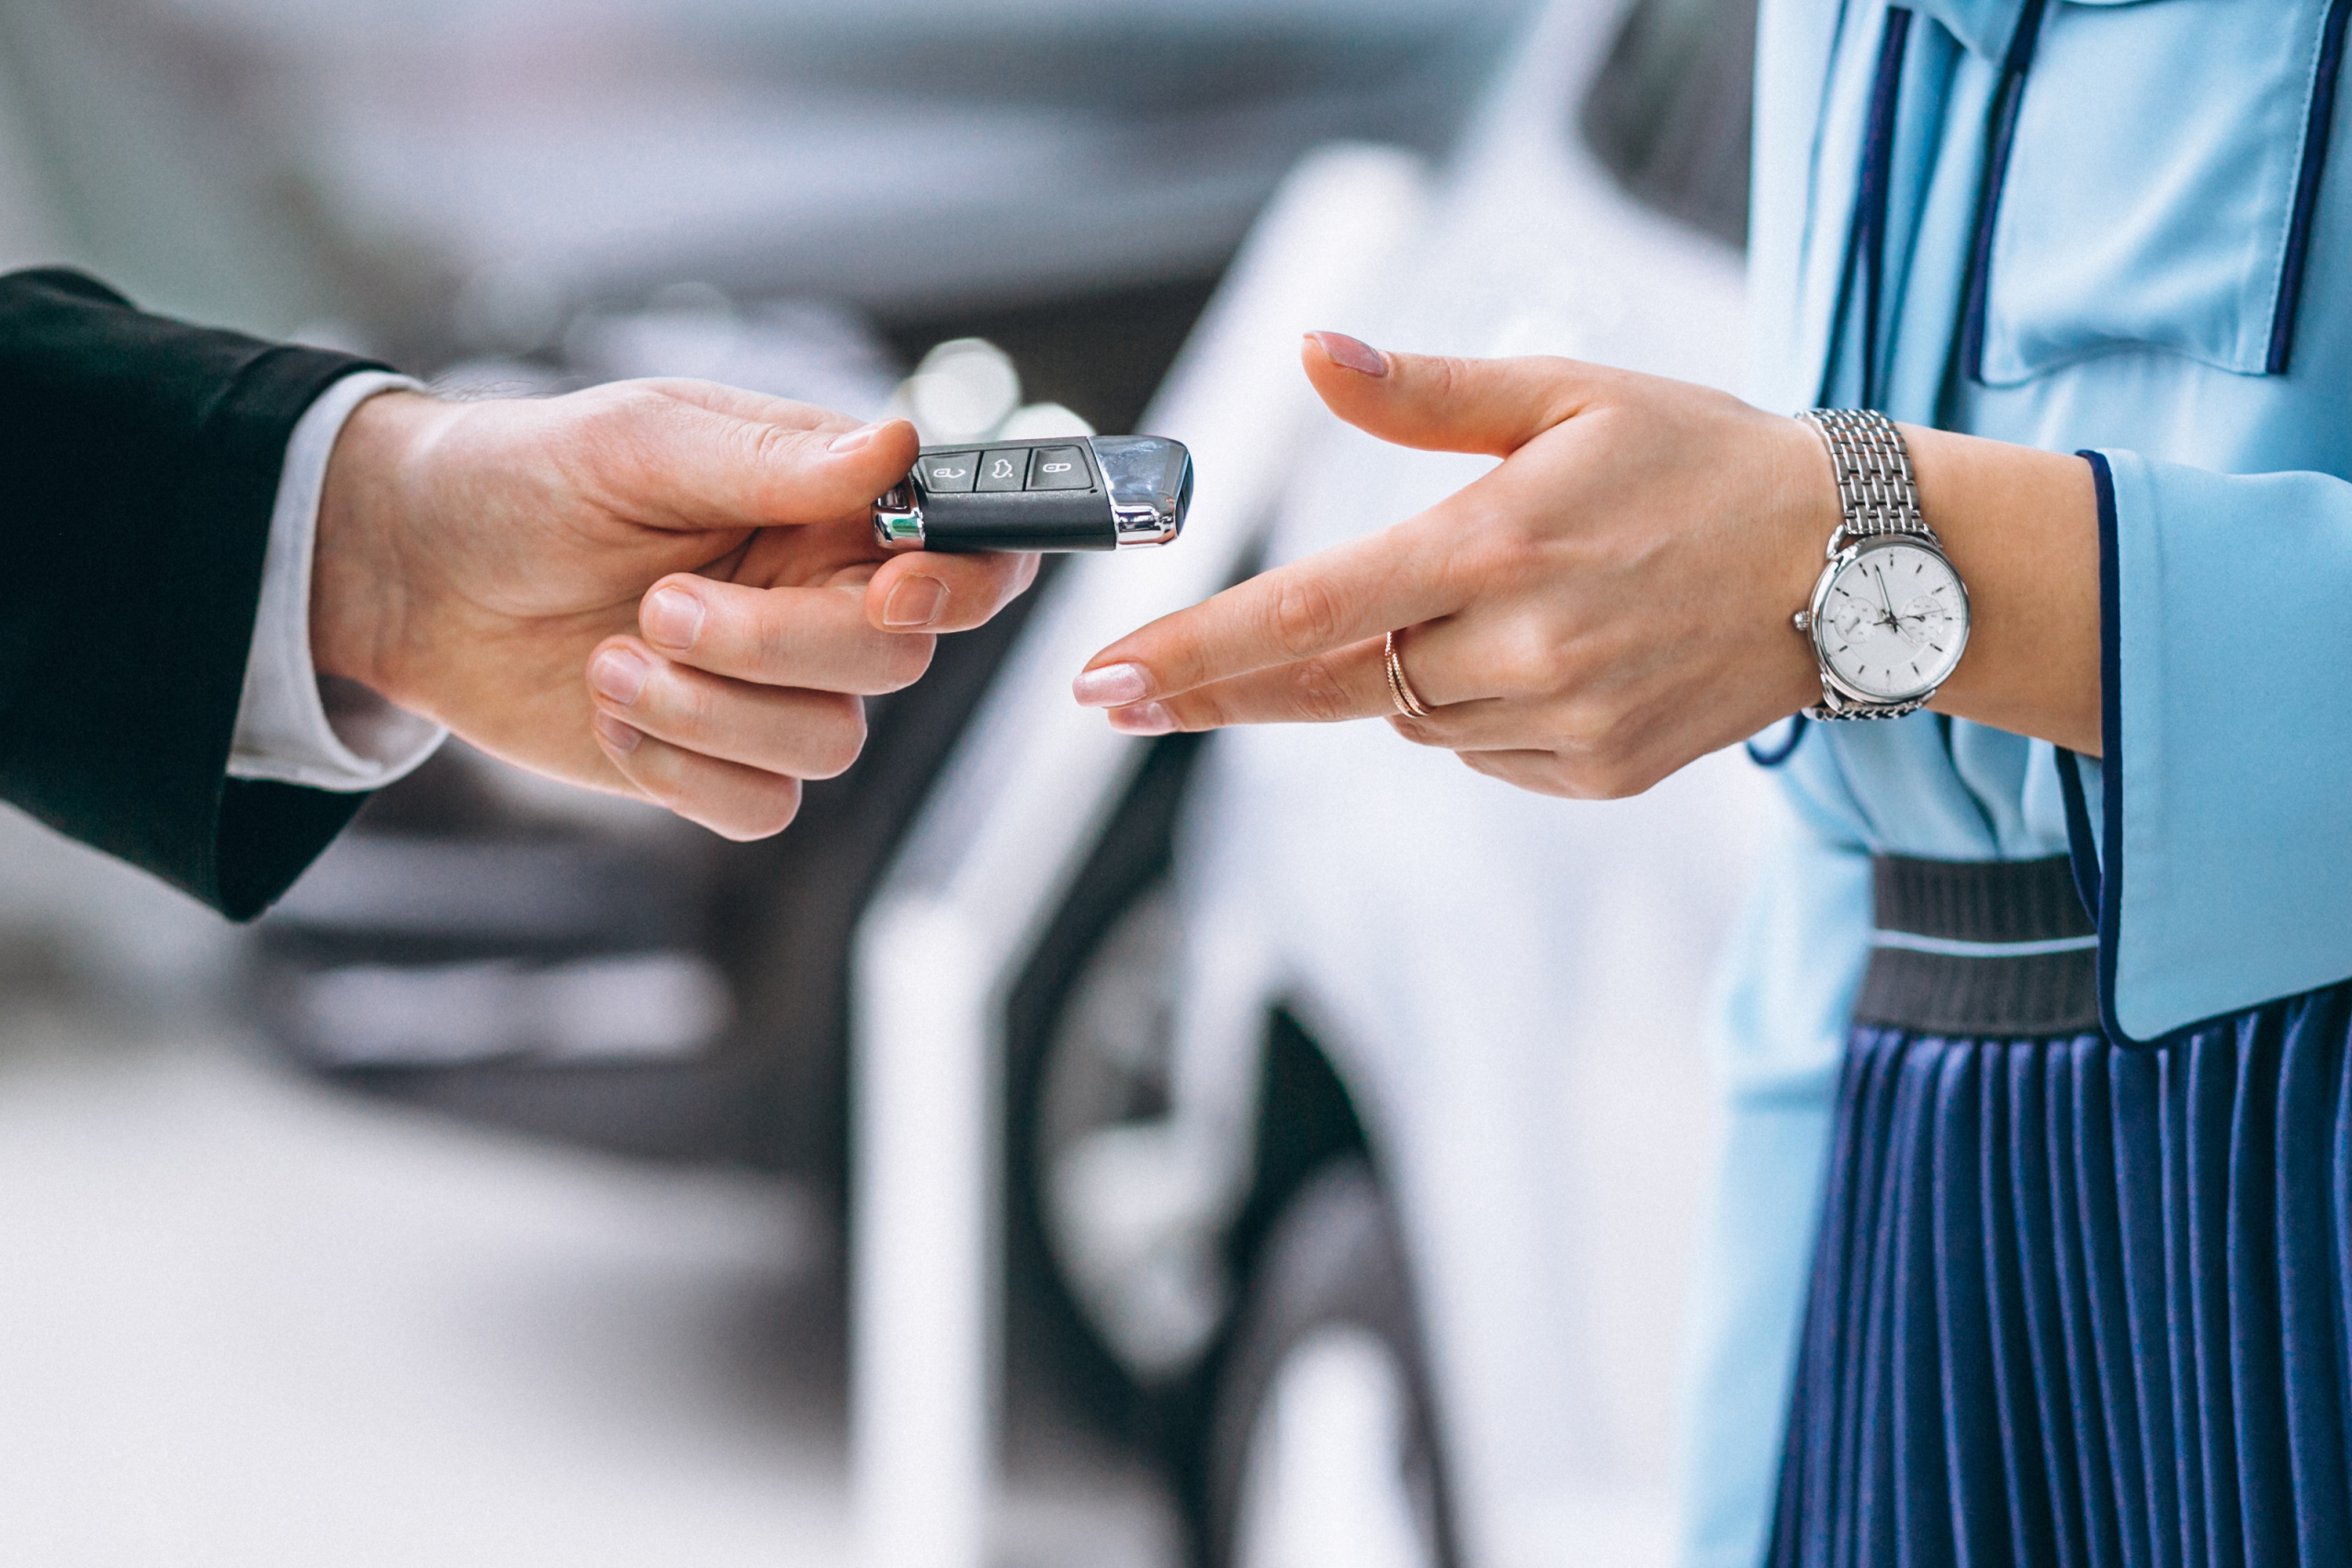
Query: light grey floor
246, 1321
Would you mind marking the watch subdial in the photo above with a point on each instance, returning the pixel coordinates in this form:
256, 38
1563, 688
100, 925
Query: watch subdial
1924, 621
1850, 618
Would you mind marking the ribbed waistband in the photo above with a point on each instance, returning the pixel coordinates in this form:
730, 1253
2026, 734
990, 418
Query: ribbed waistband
1979, 948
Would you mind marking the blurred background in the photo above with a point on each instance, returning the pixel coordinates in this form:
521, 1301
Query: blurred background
486, 1202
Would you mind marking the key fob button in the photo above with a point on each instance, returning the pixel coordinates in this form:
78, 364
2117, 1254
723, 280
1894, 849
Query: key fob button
1058, 467
945, 473
1006, 469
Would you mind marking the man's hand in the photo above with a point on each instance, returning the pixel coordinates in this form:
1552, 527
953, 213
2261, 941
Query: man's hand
661, 588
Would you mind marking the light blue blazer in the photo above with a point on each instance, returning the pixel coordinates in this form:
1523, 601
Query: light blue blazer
2109, 228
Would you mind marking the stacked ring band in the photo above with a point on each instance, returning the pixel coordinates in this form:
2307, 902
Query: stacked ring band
1400, 691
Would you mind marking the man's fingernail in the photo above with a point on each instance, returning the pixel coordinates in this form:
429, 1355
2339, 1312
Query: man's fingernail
850, 440
1150, 718
619, 736
1114, 685
670, 617
1353, 353
915, 601
618, 674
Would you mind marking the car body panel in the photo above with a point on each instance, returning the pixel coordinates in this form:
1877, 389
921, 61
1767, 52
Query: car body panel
1512, 987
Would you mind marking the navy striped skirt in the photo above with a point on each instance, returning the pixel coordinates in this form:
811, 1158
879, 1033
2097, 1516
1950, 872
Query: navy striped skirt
2073, 1304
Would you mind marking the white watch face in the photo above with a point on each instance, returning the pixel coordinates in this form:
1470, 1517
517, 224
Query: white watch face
1892, 622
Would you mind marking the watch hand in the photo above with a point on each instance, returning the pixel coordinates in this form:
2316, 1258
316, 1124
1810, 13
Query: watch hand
1887, 599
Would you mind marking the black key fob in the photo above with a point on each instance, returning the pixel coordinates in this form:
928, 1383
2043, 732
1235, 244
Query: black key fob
1093, 492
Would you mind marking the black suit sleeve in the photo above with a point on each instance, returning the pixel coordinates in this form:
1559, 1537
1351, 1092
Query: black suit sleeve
139, 464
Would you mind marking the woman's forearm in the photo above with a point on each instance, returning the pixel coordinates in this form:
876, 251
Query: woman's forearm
1619, 596
2022, 527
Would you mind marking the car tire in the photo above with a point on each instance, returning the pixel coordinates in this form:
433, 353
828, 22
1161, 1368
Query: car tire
1322, 1438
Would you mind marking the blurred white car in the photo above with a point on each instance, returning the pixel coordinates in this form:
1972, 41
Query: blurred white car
1351, 1109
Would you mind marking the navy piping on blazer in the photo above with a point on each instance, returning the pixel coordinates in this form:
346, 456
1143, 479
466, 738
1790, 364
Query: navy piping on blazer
1867, 246
2099, 879
1779, 755
2316, 133
1866, 249
2011, 93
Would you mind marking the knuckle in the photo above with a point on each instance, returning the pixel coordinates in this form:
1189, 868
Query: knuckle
1422, 732
770, 443
1196, 711
836, 740
1499, 549
1316, 693
1531, 662
692, 704
904, 658
1444, 375
769, 636
767, 809
1570, 776
1597, 781
1305, 615
1601, 757
1556, 783
624, 408
1618, 780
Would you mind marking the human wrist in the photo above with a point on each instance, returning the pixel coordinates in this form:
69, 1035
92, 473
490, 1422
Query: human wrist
361, 593
2021, 527
1806, 514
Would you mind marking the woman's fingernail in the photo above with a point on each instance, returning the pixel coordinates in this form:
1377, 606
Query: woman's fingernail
671, 618
850, 440
617, 735
1114, 685
915, 601
1353, 353
618, 674
1151, 718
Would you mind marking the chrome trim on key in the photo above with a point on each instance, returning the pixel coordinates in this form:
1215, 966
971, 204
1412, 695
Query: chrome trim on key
898, 518
1149, 482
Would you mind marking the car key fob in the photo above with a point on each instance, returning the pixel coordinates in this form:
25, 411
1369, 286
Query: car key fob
1065, 492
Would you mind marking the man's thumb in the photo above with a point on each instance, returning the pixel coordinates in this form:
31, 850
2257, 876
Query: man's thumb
1494, 406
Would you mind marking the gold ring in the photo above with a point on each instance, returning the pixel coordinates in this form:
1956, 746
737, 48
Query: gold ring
1400, 691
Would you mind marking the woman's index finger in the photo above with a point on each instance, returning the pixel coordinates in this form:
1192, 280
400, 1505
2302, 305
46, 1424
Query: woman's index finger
1306, 609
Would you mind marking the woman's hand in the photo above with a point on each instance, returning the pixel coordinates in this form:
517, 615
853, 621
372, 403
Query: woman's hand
1614, 600
664, 588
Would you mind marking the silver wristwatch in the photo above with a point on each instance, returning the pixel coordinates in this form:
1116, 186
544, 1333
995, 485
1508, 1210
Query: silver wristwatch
1889, 615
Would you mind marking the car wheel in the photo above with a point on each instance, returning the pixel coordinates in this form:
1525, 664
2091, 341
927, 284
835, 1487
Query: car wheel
1323, 1444
1130, 1207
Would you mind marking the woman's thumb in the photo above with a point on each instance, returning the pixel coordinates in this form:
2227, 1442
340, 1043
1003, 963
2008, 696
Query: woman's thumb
1494, 406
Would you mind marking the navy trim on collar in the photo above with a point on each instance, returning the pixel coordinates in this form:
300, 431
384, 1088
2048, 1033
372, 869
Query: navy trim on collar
2003, 134
2316, 133
1870, 199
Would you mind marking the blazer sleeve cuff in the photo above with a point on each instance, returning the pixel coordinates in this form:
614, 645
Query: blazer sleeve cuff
2216, 819
290, 729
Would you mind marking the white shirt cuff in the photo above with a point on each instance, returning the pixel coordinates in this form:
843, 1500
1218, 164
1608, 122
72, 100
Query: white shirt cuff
293, 725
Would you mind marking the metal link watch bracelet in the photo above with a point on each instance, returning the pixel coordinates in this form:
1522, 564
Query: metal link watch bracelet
1889, 615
